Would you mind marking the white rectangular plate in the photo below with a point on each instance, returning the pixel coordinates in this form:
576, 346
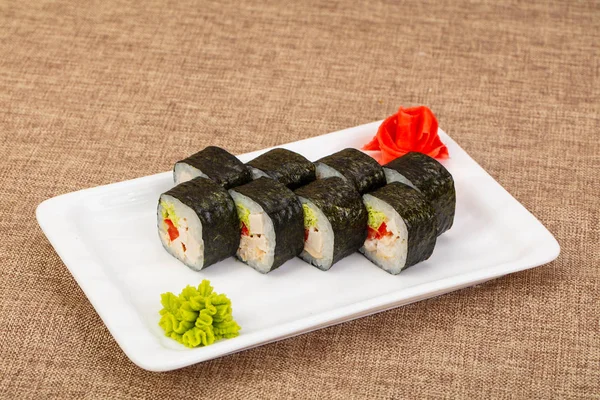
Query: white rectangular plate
107, 238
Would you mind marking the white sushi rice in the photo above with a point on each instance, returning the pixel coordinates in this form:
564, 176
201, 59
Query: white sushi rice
188, 247
257, 249
392, 175
325, 171
389, 252
318, 248
183, 172
257, 173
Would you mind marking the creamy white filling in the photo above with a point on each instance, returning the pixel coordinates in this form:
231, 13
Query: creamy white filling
255, 245
257, 223
386, 245
314, 243
185, 245
371, 244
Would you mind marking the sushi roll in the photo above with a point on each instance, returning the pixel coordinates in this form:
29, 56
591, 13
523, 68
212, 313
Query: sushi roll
198, 223
214, 163
402, 227
285, 166
335, 221
353, 165
429, 177
271, 222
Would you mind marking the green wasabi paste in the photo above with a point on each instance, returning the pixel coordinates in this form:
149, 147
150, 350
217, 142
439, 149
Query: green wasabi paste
198, 316
376, 218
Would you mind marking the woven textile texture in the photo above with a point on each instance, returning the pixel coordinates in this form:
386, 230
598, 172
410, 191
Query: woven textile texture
102, 91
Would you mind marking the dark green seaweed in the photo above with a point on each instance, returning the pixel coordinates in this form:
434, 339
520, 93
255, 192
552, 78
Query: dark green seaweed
343, 207
285, 210
221, 166
363, 171
418, 215
218, 215
433, 180
286, 167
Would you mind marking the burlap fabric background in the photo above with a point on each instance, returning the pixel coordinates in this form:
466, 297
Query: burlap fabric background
102, 91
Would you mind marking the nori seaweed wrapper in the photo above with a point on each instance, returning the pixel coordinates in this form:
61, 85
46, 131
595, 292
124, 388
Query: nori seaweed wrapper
345, 210
433, 180
285, 211
363, 171
418, 215
218, 215
286, 167
221, 166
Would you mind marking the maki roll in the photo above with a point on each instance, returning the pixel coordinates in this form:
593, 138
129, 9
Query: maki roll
429, 177
353, 165
285, 166
271, 221
214, 163
198, 223
402, 227
335, 221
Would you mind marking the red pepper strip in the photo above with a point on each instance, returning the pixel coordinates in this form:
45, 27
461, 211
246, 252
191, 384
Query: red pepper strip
372, 234
245, 231
382, 229
305, 235
173, 232
379, 233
